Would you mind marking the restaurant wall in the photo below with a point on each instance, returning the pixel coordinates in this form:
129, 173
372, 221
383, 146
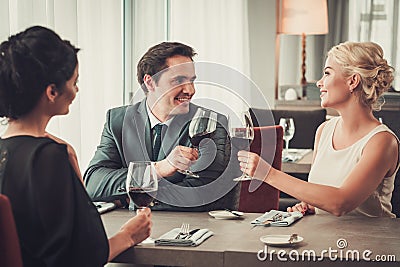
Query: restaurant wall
262, 29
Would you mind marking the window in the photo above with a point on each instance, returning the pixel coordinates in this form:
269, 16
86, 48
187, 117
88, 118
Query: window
377, 21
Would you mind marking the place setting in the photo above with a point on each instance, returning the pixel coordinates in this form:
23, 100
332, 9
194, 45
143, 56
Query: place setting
184, 236
226, 214
277, 218
281, 240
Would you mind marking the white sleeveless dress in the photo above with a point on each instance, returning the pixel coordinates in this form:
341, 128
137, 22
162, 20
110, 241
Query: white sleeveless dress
331, 167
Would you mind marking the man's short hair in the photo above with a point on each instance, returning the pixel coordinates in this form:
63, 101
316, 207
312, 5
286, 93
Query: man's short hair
154, 60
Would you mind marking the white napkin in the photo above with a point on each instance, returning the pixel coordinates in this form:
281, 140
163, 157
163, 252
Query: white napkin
294, 154
287, 218
291, 158
168, 239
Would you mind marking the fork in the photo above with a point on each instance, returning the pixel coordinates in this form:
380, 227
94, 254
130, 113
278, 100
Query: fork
184, 231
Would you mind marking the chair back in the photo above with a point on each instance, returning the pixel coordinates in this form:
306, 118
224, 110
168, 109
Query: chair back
268, 142
10, 252
396, 196
391, 119
306, 122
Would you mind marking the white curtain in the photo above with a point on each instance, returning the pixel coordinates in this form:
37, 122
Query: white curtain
146, 24
95, 26
377, 21
218, 30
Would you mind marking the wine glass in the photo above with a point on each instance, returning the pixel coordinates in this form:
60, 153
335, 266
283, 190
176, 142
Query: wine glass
202, 125
242, 135
141, 183
288, 132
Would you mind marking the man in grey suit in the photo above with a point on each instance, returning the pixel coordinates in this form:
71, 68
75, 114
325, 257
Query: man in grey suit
166, 73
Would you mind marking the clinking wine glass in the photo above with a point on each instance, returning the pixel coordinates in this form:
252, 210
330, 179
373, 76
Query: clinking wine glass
288, 131
141, 183
242, 135
202, 125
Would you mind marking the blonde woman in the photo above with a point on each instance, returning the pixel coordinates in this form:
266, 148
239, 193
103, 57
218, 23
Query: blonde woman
355, 156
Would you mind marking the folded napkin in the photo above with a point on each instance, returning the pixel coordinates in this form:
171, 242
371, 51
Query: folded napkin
291, 157
168, 239
278, 218
294, 154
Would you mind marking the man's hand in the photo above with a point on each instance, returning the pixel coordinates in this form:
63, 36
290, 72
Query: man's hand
180, 158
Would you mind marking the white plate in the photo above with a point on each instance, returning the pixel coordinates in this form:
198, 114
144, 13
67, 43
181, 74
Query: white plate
103, 207
279, 240
224, 214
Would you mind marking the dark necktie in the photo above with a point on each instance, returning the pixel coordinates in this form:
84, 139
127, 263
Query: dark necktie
157, 142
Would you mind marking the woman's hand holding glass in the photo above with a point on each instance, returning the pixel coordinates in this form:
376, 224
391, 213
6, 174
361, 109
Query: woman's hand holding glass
133, 232
138, 228
253, 165
242, 135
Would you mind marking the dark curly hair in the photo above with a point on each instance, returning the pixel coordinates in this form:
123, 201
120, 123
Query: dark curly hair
154, 60
30, 61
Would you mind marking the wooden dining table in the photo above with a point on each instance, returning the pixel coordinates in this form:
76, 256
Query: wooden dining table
327, 241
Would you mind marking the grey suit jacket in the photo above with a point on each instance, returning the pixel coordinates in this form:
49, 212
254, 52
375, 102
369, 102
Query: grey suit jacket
126, 137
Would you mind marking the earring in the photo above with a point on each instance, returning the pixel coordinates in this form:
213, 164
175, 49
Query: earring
351, 91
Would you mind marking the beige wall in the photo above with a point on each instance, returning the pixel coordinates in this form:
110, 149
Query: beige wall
262, 35
262, 28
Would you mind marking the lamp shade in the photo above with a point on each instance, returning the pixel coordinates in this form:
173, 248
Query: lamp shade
303, 17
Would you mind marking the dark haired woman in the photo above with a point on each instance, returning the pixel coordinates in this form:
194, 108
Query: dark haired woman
56, 221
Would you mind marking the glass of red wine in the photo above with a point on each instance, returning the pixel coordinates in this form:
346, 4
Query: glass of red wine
141, 183
202, 126
242, 135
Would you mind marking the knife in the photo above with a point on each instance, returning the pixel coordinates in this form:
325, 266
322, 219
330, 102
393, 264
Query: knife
234, 212
192, 232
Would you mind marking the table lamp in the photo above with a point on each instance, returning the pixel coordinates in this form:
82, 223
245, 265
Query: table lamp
303, 17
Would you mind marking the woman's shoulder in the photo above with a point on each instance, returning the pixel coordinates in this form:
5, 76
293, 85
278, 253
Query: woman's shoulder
49, 148
25, 140
30, 145
383, 136
326, 125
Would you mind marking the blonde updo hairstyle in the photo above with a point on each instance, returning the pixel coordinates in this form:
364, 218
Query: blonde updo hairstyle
366, 60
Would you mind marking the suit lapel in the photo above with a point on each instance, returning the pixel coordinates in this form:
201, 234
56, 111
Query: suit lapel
136, 134
136, 137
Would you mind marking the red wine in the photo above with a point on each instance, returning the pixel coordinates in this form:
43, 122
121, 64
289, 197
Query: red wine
241, 143
196, 139
141, 197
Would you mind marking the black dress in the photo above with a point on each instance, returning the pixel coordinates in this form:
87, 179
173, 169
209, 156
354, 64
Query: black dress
56, 221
